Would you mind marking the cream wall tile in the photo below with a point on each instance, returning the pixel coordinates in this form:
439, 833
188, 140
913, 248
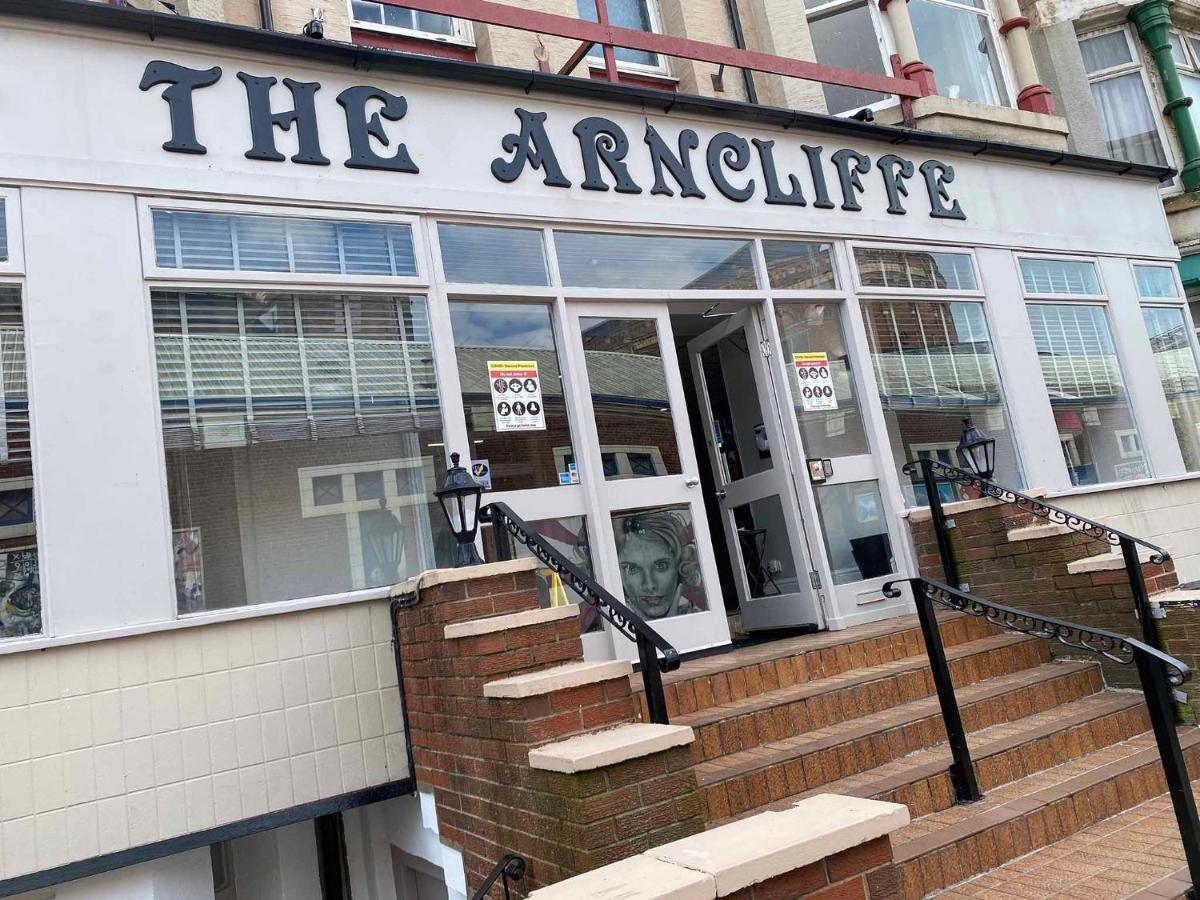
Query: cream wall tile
375, 760
14, 736
83, 832
164, 707
279, 785
337, 630
320, 684
274, 731
160, 657
142, 809
397, 756
249, 741
299, 730
14, 677
189, 658
134, 666
381, 622
292, 678
106, 717
304, 778
252, 781
245, 692
51, 839
345, 714
114, 835
341, 671
393, 712
218, 696
288, 638
168, 759
370, 715
354, 774
49, 792
189, 693
104, 665
323, 725
241, 645
45, 729
214, 649
135, 711
227, 797
79, 776
270, 686
385, 665
366, 677
20, 846
139, 764
109, 765
42, 671
222, 740
77, 722
197, 755
329, 772
172, 810
74, 672
16, 791
312, 633
264, 641
201, 811
358, 622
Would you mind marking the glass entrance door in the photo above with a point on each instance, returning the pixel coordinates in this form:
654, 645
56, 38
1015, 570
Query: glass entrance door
754, 482
858, 532
650, 541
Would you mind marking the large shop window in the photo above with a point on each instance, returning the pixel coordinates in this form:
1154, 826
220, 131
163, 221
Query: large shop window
20, 583
534, 449
935, 366
241, 243
1121, 95
649, 262
303, 440
637, 15
1096, 429
1171, 343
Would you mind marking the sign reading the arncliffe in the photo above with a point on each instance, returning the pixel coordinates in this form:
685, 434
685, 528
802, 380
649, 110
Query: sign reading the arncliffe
604, 148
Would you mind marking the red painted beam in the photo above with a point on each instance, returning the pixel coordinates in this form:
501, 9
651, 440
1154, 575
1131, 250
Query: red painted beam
565, 26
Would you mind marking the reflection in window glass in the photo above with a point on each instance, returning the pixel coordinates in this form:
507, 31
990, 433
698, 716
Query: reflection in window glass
633, 14
846, 38
605, 260
855, 531
629, 397
498, 332
957, 44
1155, 281
20, 580
799, 265
1095, 423
816, 328
1176, 363
879, 267
3, 232
483, 254
1059, 276
739, 431
285, 420
660, 568
765, 548
1105, 51
935, 366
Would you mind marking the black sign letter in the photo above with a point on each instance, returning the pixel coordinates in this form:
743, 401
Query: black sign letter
263, 122
531, 146
603, 141
851, 166
820, 188
896, 170
361, 129
735, 153
680, 167
182, 81
937, 176
775, 196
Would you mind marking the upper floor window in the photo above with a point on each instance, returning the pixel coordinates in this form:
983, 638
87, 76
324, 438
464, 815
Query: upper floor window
639, 15
1122, 98
385, 17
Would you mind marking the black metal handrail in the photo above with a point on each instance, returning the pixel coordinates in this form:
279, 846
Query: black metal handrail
510, 867
507, 526
933, 471
1158, 673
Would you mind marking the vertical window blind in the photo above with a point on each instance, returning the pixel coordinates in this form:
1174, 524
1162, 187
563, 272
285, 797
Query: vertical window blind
236, 368
217, 241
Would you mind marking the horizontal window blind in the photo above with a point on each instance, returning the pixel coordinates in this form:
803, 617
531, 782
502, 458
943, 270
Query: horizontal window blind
221, 242
3, 231
238, 368
1077, 352
1155, 282
14, 390
880, 267
1059, 276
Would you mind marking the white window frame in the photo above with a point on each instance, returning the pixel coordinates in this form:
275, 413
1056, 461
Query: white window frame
875, 290
15, 264
1135, 65
1093, 299
464, 29
1179, 299
291, 280
661, 70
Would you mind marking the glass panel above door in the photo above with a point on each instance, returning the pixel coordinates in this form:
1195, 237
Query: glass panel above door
488, 333
827, 429
855, 531
605, 260
629, 397
486, 254
739, 430
799, 265
660, 569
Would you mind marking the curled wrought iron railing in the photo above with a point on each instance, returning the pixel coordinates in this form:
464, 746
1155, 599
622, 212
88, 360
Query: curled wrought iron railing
510, 868
1112, 646
508, 526
1054, 515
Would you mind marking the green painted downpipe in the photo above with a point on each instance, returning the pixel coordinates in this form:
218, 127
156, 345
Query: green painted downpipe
1153, 21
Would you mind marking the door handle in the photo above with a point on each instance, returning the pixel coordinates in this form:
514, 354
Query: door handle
692, 481
720, 495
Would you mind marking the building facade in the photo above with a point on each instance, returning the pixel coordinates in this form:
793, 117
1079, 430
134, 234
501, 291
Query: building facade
693, 341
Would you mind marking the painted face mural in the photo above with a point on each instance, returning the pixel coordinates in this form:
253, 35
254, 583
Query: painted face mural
657, 553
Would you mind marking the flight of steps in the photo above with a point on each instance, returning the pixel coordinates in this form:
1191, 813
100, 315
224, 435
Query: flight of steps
854, 713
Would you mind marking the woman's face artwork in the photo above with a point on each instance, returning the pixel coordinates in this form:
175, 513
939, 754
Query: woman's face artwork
650, 575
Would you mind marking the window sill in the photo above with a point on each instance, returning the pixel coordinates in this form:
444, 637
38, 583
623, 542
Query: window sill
635, 73
428, 37
980, 121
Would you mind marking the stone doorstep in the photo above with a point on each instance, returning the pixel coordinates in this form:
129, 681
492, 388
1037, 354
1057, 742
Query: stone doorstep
558, 678
523, 619
725, 860
1104, 562
586, 752
1036, 532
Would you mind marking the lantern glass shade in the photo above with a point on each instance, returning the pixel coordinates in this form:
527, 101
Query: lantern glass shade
459, 498
976, 450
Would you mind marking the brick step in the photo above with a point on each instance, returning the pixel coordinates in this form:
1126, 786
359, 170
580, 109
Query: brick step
1002, 754
782, 713
734, 783
1136, 854
748, 671
1031, 813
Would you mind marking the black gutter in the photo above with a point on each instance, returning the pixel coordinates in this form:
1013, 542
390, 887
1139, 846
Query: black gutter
268, 21
739, 41
155, 25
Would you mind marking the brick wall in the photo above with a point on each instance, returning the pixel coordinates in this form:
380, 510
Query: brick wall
1180, 634
473, 751
855, 874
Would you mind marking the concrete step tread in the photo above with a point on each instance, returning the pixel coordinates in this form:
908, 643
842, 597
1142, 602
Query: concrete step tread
523, 619
557, 678
843, 680
736, 764
598, 749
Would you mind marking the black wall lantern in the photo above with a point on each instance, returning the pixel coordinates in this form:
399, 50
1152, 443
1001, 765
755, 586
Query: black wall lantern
976, 450
459, 497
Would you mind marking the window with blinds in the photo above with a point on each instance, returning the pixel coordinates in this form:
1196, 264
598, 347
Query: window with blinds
881, 267
303, 442
1156, 282
3, 231
1171, 344
1060, 276
248, 243
20, 591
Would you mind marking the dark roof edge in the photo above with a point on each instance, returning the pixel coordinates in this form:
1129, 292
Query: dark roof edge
154, 24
